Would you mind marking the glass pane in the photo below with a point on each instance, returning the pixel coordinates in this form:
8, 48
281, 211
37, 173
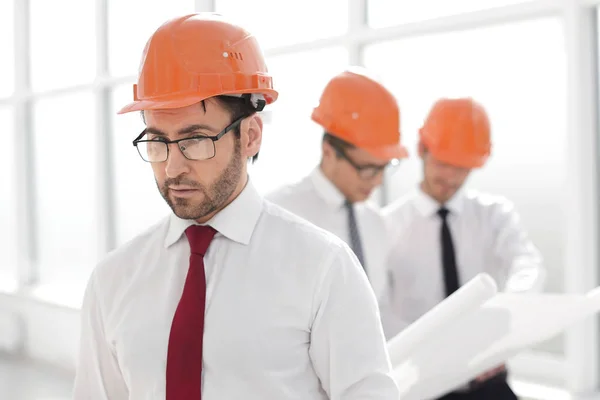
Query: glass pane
8, 190
7, 65
383, 13
65, 181
290, 138
280, 23
63, 43
128, 30
138, 201
511, 69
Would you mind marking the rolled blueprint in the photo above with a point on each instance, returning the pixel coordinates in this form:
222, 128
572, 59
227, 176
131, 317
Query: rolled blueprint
534, 318
460, 349
465, 300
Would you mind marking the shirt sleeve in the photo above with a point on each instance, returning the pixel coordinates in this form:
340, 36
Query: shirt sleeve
522, 268
392, 306
98, 376
347, 348
391, 309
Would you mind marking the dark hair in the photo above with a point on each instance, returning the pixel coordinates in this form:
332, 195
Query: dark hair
237, 107
336, 142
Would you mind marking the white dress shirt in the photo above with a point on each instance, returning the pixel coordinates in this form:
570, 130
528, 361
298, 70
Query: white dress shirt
289, 313
487, 236
316, 199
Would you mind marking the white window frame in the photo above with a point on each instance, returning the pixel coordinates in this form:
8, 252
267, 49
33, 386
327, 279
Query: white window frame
578, 369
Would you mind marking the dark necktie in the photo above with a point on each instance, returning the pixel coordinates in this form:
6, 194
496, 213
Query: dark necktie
355, 242
184, 356
451, 279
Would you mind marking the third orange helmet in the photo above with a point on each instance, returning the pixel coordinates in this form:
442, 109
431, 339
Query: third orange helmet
457, 132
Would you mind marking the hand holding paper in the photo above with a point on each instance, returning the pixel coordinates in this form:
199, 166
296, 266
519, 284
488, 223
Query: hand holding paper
459, 340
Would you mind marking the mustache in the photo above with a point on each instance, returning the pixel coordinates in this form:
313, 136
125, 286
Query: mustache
446, 183
178, 181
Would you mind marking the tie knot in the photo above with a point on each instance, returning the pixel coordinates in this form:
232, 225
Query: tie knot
443, 212
200, 237
349, 205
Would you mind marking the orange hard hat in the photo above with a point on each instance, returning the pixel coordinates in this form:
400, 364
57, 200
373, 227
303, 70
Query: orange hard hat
191, 58
359, 110
457, 132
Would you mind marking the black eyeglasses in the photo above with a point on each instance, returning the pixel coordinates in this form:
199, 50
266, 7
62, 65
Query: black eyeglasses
195, 148
367, 171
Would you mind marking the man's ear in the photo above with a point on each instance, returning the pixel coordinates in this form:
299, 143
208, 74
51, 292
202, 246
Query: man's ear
251, 132
422, 150
327, 149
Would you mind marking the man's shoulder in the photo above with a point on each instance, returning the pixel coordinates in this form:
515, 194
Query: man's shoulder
399, 215
372, 212
488, 203
301, 246
122, 260
290, 192
400, 206
296, 230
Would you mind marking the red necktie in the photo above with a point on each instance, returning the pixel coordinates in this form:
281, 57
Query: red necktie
184, 357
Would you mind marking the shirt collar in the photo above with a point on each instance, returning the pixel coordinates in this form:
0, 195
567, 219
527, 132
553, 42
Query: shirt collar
236, 221
326, 189
427, 206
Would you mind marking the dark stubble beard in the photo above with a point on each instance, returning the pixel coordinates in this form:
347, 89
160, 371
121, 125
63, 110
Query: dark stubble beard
215, 196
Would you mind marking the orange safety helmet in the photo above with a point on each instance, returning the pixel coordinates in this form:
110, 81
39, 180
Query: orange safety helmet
197, 56
359, 110
457, 132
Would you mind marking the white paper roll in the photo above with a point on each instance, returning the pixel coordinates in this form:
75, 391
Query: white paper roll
465, 300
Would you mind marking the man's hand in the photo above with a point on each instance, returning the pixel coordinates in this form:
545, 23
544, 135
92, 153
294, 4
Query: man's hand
490, 374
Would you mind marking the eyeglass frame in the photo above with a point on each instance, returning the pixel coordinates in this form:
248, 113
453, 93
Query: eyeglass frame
218, 136
377, 169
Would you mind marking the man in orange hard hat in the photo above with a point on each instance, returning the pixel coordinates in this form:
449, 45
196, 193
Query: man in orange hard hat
230, 297
361, 123
444, 234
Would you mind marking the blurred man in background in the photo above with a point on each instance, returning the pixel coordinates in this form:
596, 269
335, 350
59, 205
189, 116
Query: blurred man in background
444, 235
230, 297
361, 123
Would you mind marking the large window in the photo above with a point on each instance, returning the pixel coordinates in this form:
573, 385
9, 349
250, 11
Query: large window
54, 42
131, 24
308, 20
8, 220
66, 191
382, 13
525, 94
7, 65
8, 204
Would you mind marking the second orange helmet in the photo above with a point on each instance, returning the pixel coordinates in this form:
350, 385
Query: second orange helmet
359, 110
